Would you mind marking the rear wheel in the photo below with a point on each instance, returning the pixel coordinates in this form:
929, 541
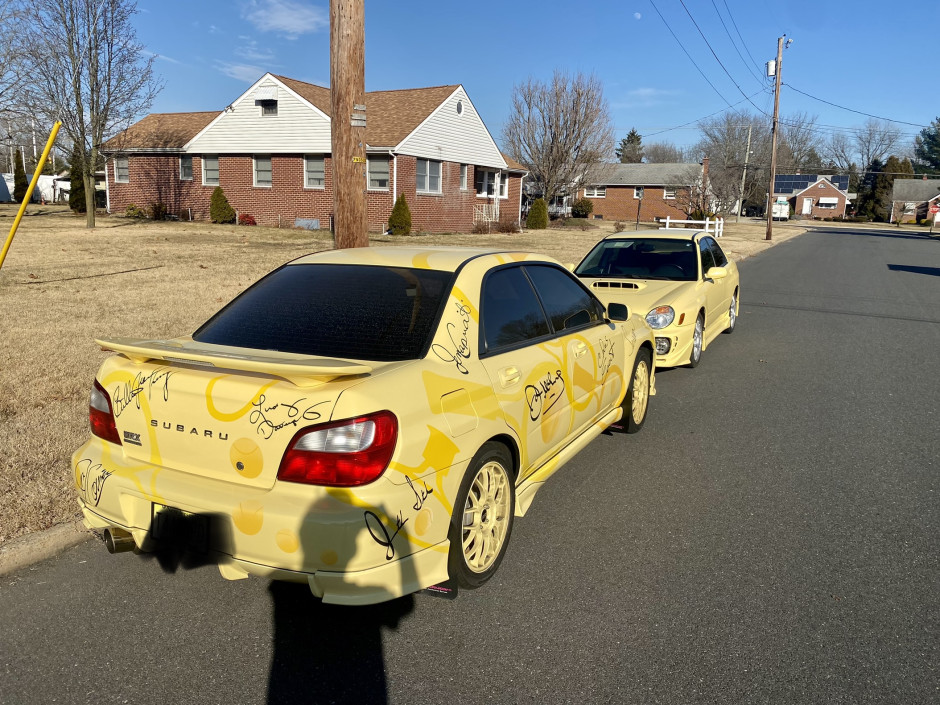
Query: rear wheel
636, 403
482, 521
732, 314
698, 337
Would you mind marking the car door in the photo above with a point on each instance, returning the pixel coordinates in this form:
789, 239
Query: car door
713, 288
726, 285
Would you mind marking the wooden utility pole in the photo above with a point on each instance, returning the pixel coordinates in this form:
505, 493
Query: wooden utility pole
747, 154
348, 122
773, 143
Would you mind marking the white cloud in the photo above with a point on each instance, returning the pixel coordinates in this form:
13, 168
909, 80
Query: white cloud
288, 17
251, 52
240, 72
644, 98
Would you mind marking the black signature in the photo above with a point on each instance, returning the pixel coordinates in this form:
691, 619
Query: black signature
92, 477
269, 419
421, 494
379, 532
605, 356
129, 392
541, 398
457, 332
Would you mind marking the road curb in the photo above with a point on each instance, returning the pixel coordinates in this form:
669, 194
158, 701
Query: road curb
32, 548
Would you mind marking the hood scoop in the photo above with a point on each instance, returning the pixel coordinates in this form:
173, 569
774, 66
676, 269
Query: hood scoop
615, 285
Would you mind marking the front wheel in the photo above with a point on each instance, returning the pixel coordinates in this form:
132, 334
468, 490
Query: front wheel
698, 338
482, 521
637, 401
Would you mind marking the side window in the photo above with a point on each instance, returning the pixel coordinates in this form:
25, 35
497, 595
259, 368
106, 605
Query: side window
511, 312
720, 259
566, 302
708, 259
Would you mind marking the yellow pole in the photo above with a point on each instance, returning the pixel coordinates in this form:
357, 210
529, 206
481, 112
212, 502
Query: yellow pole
32, 185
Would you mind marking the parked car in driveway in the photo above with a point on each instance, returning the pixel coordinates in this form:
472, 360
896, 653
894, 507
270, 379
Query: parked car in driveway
680, 280
364, 421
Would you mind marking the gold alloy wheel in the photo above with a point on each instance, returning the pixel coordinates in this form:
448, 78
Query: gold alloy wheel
641, 391
486, 517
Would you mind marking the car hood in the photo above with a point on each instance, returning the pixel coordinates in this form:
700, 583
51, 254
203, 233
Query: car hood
640, 295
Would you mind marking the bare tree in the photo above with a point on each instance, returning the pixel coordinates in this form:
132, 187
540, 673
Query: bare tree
10, 60
800, 143
875, 140
724, 142
559, 130
664, 153
88, 70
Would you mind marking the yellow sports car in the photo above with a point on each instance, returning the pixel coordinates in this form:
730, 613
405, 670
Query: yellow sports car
364, 421
681, 281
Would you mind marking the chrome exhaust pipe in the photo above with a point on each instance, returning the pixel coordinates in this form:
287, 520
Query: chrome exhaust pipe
118, 540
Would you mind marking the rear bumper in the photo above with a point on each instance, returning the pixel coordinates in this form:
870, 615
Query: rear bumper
352, 546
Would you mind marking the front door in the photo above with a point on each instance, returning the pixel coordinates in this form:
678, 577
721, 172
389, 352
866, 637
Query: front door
807, 206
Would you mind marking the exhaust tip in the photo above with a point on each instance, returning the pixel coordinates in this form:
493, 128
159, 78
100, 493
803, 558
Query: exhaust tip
118, 540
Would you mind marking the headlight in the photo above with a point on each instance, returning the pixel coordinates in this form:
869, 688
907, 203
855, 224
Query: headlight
660, 317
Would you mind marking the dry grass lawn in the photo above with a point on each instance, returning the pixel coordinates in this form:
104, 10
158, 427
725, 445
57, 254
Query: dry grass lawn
62, 286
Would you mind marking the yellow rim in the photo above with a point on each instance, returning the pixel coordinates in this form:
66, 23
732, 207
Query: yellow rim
486, 517
641, 391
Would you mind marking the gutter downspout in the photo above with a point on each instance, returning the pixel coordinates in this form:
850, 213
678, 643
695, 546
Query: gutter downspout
107, 188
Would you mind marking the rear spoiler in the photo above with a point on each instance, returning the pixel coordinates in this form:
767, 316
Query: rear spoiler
301, 370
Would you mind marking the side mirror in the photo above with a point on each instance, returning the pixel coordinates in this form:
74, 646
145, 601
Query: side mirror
716, 273
618, 312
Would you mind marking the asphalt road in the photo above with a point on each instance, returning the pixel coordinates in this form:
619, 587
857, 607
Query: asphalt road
769, 537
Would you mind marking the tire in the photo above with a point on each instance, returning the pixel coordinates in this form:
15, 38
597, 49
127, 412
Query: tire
732, 315
482, 520
636, 403
698, 339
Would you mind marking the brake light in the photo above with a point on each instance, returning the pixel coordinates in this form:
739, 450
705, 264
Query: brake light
101, 415
345, 453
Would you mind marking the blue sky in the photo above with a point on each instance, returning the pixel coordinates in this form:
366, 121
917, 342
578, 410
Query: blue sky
873, 57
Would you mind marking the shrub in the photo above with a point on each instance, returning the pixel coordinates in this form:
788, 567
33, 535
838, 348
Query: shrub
77, 182
582, 208
133, 211
399, 222
481, 227
247, 219
507, 225
618, 226
20, 184
158, 210
538, 215
219, 209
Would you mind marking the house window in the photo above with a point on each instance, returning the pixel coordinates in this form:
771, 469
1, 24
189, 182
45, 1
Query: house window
186, 168
378, 173
262, 171
428, 176
210, 171
268, 107
314, 172
638, 191
488, 182
909, 207
669, 194
463, 177
595, 192
122, 171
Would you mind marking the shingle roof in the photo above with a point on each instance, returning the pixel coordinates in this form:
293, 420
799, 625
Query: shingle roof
915, 190
390, 115
160, 131
512, 164
644, 174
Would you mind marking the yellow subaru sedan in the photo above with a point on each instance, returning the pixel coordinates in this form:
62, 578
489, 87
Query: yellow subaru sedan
680, 280
367, 422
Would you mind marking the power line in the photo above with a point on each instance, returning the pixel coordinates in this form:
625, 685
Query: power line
735, 24
734, 44
842, 107
697, 120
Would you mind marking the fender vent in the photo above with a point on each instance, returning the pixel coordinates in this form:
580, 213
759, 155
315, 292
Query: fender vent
614, 285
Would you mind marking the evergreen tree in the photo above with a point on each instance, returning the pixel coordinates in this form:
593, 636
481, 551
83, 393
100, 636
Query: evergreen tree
77, 182
630, 150
538, 215
399, 222
20, 184
219, 209
927, 149
875, 193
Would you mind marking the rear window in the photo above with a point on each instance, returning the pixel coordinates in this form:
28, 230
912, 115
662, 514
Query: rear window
331, 310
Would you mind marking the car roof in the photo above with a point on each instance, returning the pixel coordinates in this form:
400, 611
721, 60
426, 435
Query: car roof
657, 234
441, 258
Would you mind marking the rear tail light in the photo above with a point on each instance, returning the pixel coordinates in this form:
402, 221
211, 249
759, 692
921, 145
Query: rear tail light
342, 453
101, 415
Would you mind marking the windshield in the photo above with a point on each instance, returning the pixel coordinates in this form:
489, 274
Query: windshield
642, 258
361, 312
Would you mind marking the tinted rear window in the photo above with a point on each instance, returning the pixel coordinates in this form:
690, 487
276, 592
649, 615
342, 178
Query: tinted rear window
331, 310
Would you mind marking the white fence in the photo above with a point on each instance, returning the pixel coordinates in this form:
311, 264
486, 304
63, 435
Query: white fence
716, 226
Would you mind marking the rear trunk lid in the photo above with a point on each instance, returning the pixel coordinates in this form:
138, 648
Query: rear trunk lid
218, 411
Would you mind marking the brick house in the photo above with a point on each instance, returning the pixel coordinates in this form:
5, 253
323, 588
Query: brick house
814, 197
655, 191
270, 152
913, 198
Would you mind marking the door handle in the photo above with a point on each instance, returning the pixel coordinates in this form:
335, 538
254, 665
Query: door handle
579, 349
509, 376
